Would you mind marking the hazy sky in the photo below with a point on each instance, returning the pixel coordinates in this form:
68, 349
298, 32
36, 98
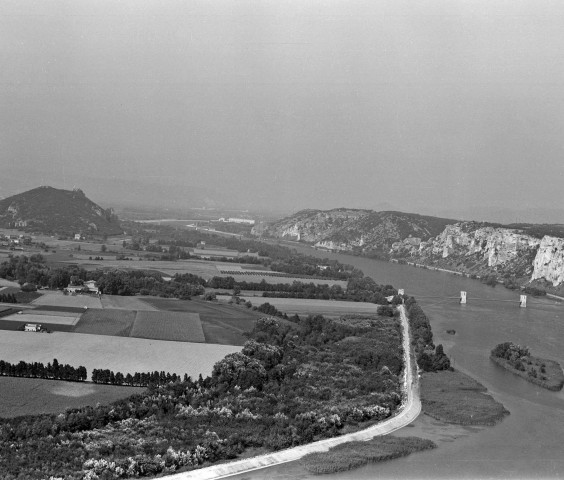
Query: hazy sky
425, 105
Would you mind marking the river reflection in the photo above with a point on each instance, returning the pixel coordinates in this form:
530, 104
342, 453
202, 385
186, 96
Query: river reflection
528, 443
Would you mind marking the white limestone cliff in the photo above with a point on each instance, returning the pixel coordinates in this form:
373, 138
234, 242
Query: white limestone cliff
549, 261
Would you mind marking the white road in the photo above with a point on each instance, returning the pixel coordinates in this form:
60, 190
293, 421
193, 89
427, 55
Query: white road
407, 413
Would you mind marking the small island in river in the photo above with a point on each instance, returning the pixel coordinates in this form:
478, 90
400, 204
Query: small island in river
517, 359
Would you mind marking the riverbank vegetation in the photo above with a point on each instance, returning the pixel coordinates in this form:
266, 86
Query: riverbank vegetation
453, 397
429, 358
292, 383
518, 360
351, 455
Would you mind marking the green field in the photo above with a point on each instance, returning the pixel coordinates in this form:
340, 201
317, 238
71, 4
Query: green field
222, 324
58, 299
29, 316
124, 354
125, 303
98, 321
172, 326
32, 396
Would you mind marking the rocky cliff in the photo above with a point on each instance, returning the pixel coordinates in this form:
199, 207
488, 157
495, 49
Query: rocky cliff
353, 230
521, 253
481, 249
549, 261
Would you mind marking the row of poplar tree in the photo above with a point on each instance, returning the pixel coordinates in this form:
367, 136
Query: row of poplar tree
57, 371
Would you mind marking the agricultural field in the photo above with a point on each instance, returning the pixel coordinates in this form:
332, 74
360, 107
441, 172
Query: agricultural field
328, 308
58, 299
172, 326
32, 396
123, 354
28, 317
222, 324
125, 303
114, 322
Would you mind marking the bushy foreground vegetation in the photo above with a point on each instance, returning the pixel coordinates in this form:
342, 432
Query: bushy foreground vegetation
351, 455
291, 384
517, 359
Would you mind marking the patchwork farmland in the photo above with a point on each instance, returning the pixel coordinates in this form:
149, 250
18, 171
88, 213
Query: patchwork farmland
106, 321
221, 323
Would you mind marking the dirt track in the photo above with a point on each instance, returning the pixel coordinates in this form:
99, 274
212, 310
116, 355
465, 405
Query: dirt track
408, 412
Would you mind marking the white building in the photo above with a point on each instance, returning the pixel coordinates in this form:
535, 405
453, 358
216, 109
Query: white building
248, 221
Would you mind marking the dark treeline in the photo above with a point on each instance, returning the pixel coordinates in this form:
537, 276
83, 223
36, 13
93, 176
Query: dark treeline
135, 380
292, 383
429, 357
8, 298
363, 289
53, 371
131, 282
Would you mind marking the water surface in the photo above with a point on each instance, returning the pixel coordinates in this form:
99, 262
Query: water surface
529, 442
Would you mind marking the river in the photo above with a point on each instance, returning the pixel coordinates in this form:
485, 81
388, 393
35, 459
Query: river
528, 443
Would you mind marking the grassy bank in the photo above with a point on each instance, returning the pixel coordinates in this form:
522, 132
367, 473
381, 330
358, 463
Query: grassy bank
356, 454
552, 378
454, 397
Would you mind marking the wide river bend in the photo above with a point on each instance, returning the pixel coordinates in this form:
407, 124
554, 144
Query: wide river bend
529, 443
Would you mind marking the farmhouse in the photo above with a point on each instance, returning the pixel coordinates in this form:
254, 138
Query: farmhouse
74, 288
32, 327
91, 286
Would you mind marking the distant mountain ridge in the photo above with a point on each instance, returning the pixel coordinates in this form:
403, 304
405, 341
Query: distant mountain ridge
521, 253
55, 211
354, 229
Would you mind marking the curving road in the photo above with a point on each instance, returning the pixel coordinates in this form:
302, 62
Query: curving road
408, 412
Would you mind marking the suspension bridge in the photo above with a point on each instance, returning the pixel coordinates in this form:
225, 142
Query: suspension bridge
464, 298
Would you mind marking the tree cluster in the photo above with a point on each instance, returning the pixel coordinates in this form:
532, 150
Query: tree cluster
135, 380
363, 289
8, 298
515, 354
53, 371
429, 357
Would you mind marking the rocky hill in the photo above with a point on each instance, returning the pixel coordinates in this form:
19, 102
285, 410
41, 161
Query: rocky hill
52, 211
363, 231
517, 254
